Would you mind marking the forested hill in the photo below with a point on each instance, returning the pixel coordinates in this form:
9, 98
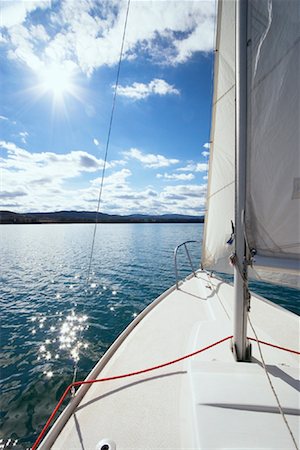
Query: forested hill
8, 217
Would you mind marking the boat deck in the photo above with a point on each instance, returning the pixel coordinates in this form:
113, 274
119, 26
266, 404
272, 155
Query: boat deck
205, 402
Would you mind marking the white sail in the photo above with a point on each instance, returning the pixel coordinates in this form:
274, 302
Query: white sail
220, 201
273, 157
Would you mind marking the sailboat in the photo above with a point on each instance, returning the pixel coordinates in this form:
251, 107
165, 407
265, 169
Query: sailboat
209, 365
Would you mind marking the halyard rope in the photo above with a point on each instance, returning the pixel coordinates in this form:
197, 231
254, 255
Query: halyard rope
270, 381
139, 372
259, 342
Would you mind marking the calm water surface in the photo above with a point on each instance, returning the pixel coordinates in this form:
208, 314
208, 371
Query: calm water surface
52, 317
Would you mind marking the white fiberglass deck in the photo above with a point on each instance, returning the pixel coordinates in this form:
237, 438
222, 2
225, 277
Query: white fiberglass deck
206, 402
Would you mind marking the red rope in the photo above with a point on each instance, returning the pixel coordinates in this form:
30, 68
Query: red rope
275, 346
117, 377
139, 372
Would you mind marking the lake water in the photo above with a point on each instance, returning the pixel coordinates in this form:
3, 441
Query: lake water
51, 316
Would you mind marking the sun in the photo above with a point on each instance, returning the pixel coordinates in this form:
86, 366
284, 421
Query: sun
57, 80
60, 83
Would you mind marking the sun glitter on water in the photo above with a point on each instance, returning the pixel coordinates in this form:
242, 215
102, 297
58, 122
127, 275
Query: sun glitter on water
60, 335
64, 340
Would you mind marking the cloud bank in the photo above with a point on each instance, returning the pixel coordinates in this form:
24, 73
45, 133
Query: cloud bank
44, 181
89, 36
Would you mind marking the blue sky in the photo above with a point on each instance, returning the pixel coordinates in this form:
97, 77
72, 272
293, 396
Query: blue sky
58, 69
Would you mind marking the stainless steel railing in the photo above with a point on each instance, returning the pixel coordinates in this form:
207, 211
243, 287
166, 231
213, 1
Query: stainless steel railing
184, 244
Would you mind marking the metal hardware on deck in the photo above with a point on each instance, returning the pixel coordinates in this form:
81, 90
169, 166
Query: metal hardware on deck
106, 444
189, 258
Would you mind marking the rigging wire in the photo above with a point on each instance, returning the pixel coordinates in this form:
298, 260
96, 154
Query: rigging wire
104, 167
108, 141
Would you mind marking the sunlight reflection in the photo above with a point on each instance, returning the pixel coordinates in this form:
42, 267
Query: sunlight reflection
49, 373
60, 334
67, 341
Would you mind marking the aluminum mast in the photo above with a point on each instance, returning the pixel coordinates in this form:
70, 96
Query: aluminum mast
240, 268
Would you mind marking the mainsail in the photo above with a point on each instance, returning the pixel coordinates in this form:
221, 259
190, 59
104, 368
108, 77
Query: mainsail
273, 158
273, 161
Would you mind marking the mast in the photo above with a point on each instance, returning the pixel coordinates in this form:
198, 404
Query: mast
241, 295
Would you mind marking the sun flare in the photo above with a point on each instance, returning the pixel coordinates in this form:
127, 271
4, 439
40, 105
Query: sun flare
56, 80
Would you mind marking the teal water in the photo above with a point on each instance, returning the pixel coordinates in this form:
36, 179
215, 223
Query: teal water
51, 317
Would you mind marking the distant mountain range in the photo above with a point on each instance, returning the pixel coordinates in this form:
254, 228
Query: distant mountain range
8, 217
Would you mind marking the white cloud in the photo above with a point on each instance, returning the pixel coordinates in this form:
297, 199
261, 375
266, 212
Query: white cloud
185, 199
22, 47
201, 33
38, 33
116, 180
201, 167
119, 197
177, 177
6, 118
117, 162
205, 153
46, 181
89, 36
138, 91
12, 194
189, 190
194, 167
150, 160
15, 11
3, 39
23, 135
34, 170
